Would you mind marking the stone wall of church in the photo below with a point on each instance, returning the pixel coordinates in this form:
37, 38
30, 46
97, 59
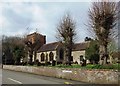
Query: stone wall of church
77, 55
47, 55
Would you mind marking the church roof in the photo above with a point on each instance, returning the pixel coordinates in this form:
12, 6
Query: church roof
80, 46
49, 47
53, 46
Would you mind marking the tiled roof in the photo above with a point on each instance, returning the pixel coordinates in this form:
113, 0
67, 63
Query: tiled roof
49, 47
80, 46
53, 46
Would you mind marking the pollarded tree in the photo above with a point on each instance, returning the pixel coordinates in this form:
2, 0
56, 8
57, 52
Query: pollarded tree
66, 33
102, 17
113, 49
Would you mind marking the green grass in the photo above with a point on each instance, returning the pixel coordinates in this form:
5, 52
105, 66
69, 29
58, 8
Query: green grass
90, 66
65, 66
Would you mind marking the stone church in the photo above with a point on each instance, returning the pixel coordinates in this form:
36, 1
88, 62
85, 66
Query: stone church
54, 51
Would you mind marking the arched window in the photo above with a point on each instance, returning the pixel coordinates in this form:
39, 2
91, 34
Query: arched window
51, 55
81, 57
42, 57
61, 54
71, 59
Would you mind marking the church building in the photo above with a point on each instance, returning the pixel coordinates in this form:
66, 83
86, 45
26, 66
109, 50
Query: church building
55, 51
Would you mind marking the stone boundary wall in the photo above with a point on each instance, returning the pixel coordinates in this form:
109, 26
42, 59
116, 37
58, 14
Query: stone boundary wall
97, 76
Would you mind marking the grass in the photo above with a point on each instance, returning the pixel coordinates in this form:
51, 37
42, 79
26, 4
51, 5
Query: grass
66, 66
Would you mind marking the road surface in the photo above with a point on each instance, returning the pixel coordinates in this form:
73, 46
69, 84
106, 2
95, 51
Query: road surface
12, 77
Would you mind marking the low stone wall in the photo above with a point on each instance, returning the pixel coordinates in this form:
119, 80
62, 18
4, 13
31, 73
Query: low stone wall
92, 76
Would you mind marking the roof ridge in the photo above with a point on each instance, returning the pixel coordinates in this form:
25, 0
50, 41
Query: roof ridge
51, 43
35, 33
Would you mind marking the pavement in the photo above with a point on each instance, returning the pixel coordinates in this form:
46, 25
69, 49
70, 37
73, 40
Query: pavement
12, 77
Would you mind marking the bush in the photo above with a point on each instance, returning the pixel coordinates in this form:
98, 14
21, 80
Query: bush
84, 63
89, 66
37, 62
24, 63
76, 66
107, 66
30, 63
75, 62
53, 63
42, 64
116, 66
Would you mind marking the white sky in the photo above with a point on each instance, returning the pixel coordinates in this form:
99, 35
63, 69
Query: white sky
17, 15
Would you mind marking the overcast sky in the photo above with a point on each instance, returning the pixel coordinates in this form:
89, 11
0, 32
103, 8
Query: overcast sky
16, 17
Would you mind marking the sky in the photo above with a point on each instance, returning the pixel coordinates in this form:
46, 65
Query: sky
18, 18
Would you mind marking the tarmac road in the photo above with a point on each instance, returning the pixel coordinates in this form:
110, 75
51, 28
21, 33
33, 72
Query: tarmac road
12, 77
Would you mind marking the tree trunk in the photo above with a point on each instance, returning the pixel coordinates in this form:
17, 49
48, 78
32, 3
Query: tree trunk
111, 59
30, 56
103, 54
69, 57
34, 55
65, 57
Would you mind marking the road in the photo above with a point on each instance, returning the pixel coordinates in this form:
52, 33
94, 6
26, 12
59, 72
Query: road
12, 77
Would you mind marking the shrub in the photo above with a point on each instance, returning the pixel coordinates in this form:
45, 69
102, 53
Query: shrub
76, 62
37, 62
90, 66
53, 63
30, 63
107, 66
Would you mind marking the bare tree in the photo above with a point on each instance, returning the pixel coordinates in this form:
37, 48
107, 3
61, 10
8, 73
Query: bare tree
103, 18
66, 33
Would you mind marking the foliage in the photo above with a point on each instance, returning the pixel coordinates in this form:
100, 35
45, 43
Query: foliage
102, 17
68, 66
37, 62
113, 52
89, 66
66, 34
107, 66
112, 47
18, 53
12, 49
92, 52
